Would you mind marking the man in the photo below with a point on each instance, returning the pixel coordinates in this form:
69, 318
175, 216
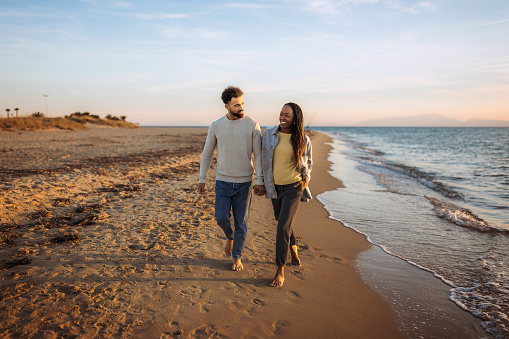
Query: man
237, 137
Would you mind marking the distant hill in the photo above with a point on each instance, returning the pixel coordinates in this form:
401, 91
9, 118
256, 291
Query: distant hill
430, 120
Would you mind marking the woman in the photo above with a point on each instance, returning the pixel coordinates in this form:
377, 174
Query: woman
286, 163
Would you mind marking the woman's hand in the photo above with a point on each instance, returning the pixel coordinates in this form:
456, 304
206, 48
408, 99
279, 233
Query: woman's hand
303, 183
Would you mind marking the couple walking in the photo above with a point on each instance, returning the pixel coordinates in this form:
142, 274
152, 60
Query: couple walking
282, 167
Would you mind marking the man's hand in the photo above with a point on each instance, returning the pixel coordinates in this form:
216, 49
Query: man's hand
201, 187
259, 190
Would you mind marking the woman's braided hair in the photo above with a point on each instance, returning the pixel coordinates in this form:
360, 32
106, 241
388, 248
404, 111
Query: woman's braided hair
298, 138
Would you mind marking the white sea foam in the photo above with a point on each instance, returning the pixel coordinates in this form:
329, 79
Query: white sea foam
458, 215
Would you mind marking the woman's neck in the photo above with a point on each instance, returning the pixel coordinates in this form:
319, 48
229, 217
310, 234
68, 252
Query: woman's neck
287, 130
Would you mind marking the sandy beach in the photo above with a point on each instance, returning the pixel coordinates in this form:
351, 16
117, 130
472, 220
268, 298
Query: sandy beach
104, 235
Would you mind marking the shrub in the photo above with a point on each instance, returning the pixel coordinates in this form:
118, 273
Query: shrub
112, 117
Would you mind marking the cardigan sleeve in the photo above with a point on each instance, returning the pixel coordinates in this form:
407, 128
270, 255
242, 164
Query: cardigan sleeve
257, 151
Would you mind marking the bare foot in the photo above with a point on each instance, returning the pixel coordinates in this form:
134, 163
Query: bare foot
237, 265
279, 279
228, 248
295, 256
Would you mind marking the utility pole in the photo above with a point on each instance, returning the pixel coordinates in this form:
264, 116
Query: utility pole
46, 97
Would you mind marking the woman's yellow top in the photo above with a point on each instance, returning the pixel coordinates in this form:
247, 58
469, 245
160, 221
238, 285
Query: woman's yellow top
284, 165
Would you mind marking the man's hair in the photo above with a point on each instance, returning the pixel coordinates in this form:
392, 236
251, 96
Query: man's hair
231, 92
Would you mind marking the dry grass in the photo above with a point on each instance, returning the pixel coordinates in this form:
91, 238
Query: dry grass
67, 123
87, 119
34, 124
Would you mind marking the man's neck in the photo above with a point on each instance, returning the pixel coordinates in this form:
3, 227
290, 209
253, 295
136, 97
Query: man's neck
231, 116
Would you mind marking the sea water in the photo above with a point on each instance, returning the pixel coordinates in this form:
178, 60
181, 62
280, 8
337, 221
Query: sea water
437, 198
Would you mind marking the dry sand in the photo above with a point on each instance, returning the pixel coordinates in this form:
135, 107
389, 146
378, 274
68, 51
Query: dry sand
103, 234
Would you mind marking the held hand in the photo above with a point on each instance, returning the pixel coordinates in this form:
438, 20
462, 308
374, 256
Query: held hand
201, 188
259, 190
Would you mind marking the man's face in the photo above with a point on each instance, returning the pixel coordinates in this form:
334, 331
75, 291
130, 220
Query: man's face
236, 107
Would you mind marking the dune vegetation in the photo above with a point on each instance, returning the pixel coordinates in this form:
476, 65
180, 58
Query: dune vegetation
75, 121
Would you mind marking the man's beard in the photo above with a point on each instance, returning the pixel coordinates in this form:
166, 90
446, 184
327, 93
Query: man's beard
239, 114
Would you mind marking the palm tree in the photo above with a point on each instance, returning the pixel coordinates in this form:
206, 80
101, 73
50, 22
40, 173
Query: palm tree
8, 110
16, 109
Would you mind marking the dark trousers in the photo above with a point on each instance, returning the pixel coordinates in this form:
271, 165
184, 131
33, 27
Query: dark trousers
285, 207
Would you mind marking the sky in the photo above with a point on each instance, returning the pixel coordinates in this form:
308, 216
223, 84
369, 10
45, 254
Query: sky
344, 61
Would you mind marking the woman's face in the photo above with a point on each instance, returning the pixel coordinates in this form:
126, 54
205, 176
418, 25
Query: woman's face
286, 117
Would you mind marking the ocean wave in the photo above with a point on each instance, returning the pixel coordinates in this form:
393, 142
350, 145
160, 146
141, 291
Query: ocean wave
357, 146
381, 246
424, 178
486, 301
475, 300
461, 216
367, 150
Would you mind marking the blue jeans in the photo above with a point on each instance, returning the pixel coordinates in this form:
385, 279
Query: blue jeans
234, 197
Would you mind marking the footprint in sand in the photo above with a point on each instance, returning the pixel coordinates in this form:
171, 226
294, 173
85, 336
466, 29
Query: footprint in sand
279, 327
204, 307
136, 247
329, 258
208, 331
258, 302
297, 274
293, 294
193, 292
164, 284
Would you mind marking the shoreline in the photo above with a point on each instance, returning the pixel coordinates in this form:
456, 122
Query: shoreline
121, 244
421, 299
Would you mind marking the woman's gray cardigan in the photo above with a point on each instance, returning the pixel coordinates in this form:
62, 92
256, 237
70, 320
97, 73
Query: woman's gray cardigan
270, 140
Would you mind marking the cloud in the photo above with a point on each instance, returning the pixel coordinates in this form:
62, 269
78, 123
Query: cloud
20, 14
419, 7
189, 83
196, 33
350, 85
109, 3
334, 6
122, 4
322, 6
246, 6
493, 89
161, 16
492, 23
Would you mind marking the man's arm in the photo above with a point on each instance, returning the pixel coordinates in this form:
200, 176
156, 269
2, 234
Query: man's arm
206, 158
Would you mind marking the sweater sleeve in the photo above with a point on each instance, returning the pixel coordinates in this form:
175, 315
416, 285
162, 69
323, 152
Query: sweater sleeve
257, 151
206, 156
